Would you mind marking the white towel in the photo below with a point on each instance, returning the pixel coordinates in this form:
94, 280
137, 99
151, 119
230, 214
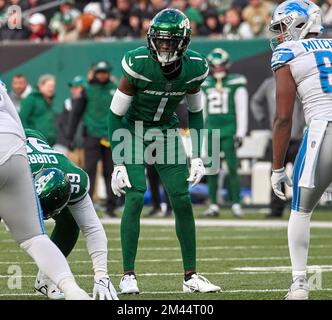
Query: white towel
316, 134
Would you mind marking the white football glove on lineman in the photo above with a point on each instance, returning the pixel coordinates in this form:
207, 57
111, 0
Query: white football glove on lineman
103, 289
197, 171
278, 177
120, 180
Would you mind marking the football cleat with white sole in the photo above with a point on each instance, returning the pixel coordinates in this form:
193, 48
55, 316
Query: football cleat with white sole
198, 283
299, 290
237, 210
128, 284
212, 211
47, 288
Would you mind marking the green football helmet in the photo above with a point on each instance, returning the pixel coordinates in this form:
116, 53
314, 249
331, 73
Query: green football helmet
169, 36
53, 190
219, 62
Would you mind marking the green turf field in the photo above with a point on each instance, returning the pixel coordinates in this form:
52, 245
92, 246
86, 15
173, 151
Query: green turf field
247, 262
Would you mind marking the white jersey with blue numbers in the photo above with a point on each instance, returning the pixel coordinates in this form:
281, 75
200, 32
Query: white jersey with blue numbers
310, 62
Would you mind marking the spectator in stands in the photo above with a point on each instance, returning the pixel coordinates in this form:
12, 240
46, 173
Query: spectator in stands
93, 106
156, 6
124, 9
39, 29
75, 151
327, 12
235, 28
68, 30
65, 18
263, 109
112, 27
90, 23
179, 4
212, 27
146, 19
20, 90
13, 29
258, 15
37, 108
194, 12
135, 24
3, 12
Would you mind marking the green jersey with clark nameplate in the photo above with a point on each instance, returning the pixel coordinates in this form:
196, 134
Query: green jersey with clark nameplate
41, 155
156, 97
220, 104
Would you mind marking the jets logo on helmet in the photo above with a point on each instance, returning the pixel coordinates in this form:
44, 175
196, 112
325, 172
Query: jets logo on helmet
53, 189
293, 20
219, 63
169, 36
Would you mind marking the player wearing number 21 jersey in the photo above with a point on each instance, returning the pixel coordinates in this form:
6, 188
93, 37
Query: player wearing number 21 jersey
226, 108
303, 65
155, 80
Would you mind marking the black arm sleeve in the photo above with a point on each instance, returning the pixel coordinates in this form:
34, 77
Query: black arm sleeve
79, 105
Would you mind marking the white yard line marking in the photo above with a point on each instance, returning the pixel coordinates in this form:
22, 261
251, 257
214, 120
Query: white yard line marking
213, 248
171, 260
222, 223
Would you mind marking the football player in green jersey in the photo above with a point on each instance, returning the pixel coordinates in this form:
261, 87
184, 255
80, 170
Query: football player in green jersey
226, 109
155, 80
63, 188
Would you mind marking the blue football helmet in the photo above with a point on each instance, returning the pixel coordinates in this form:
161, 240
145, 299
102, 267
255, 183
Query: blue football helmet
293, 20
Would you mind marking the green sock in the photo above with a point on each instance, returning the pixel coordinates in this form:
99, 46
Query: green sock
130, 227
213, 188
185, 229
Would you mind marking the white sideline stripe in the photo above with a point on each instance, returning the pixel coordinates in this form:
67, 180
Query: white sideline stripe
171, 260
199, 238
173, 292
312, 268
221, 223
198, 248
173, 274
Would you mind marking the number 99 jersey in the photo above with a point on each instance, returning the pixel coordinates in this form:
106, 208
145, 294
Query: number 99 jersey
41, 155
310, 62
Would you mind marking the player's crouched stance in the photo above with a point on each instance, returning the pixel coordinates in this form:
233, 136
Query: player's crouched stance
302, 65
155, 80
62, 189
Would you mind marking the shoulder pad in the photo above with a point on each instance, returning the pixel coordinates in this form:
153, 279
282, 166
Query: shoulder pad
282, 55
32, 133
238, 80
131, 67
200, 66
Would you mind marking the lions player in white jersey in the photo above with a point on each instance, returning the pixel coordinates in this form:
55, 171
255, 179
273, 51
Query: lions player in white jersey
303, 65
19, 207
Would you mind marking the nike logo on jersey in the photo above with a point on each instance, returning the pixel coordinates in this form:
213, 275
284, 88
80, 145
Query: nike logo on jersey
130, 62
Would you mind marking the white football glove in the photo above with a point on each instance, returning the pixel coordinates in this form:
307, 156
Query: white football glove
278, 177
103, 289
197, 171
120, 180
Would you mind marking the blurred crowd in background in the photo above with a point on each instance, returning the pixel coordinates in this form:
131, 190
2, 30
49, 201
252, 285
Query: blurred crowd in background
73, 20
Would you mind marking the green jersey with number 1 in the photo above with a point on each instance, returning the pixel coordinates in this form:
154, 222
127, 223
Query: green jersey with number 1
220, 104
41, 155
156, 97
